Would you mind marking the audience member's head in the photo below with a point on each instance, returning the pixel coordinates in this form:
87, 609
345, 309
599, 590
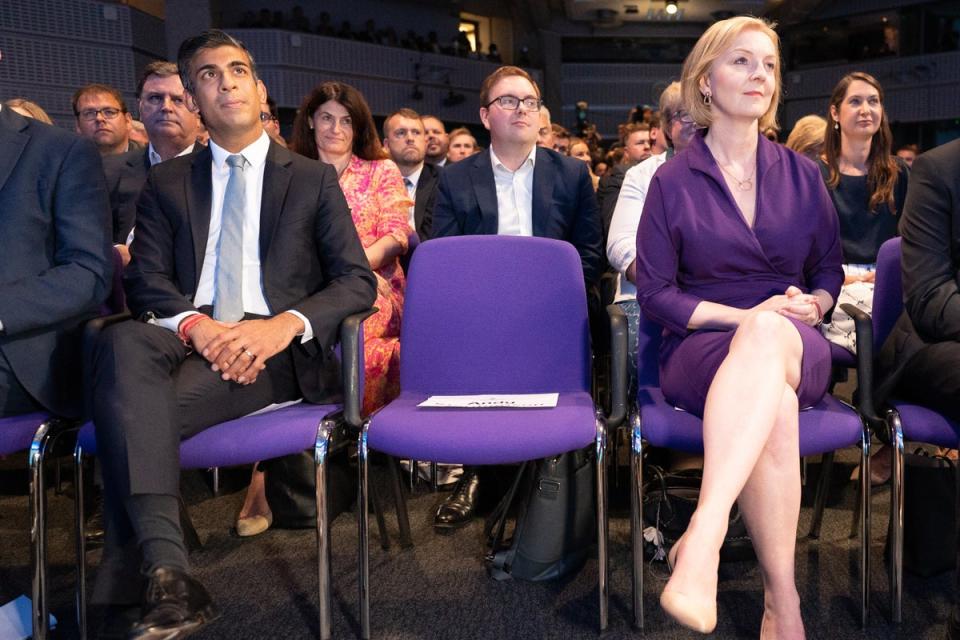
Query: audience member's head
698, 94
138, 133
659, 140
170, 124
636, 142
675, 121
102, 117
211, 63
600, 169
270, 117
437, 139
908, 153
807, 136
462, 145
29, 109
404, 138
333, 121
545, 133
581, 151
510, 108
561, 139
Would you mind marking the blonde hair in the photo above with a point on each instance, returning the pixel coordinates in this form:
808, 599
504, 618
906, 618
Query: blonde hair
807, 136
711, 46
671, 101
29, 108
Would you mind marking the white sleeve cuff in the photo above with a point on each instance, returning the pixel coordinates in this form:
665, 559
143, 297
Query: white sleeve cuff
173, 324
307, 328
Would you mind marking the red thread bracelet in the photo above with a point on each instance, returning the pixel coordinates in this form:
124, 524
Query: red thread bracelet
816, 303
188, 324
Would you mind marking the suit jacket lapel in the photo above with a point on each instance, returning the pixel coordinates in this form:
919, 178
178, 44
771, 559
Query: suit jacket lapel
276, 180
544, 174
13, 139
428, 177
485, 189
199, 187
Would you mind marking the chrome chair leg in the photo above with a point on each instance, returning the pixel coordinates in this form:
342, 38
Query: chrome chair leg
363, 533
324, 591
636, 520
896, 514
38, 530
865, 526
215, 480
80, 542
820, 499
434, 477
603, 563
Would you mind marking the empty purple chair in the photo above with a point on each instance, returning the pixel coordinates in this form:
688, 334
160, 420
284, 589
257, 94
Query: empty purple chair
261, 436
490, 315
899, 421
827, 426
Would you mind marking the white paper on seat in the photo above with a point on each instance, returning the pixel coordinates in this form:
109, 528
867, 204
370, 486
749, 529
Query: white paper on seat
495, 401
15, 619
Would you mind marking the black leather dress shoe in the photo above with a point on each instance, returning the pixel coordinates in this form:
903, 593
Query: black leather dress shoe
117, 621
175, 606
458, 508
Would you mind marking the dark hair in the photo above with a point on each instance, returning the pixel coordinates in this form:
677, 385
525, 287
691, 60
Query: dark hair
366, 144
272, 107
210, 39
410, 114
159, 68
909, 147
97, 88
882, 169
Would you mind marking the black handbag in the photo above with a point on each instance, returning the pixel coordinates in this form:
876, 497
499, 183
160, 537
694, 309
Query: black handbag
669, 500
929, 514
291, 488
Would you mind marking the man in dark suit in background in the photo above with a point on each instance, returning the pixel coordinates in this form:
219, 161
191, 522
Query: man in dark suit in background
262, 236
172, 129
404, 138
56, 264
515, 188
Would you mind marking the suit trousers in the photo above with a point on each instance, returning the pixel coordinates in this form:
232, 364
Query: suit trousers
150, 391
14, 399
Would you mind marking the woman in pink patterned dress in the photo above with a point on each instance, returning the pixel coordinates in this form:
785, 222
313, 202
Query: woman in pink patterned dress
334, 125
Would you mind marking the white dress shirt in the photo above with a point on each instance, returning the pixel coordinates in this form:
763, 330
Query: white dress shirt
254, 300
414, 179
622, 239
155, 158
514, 195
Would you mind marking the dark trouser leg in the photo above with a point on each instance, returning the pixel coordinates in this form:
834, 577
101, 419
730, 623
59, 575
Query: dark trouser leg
149, 393
14, 399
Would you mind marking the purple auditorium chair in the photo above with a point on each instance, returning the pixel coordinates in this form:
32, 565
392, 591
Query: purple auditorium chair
490, 315
827, 426
897, 421
261, 436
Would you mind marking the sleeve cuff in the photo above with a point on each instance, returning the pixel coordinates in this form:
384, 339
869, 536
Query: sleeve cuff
173, 324
307, 327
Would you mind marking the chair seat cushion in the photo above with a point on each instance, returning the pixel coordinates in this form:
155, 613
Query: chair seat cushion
826, 426
16, 432
926, 425
841, 357
259, 436
481, 436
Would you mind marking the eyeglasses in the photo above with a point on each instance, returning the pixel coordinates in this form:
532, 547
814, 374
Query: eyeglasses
109, 113
511, 103
266, 116
681, 116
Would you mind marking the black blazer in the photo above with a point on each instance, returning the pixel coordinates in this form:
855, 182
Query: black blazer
930, 228
311, 258
426, 199
126, 174
56, 264
564, 204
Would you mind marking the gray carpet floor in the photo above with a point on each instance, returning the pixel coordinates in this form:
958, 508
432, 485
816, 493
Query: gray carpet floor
439, 588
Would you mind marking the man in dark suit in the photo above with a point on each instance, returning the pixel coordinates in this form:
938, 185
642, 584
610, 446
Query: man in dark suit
262, 236
172, 129
56, 266
405, 140
515, 188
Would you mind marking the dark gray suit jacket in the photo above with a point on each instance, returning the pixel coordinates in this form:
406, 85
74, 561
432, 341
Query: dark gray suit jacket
126, 174
426, 199
56, 261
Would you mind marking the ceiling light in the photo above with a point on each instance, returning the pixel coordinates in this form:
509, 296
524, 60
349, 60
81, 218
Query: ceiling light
671, 8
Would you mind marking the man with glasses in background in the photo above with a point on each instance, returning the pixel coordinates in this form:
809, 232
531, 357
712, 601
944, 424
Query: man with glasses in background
102, 117
514, 188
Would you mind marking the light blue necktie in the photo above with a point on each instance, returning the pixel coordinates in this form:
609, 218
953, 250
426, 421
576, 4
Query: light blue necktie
228, 284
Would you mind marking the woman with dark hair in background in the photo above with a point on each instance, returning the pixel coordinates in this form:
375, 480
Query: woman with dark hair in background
334, 125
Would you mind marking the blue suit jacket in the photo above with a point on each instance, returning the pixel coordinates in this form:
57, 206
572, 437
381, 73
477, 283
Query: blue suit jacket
57, 263
564, 204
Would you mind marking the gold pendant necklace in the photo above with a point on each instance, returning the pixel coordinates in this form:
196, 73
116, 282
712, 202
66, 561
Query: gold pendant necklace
742, 185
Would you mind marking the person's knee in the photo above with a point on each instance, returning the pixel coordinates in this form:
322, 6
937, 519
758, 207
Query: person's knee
767, 334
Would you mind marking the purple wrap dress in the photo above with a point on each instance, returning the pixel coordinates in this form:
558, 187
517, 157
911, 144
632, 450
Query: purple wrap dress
694, 245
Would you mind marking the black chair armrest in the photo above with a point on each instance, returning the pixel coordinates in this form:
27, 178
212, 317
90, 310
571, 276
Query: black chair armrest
351, 353
866, 403
618, 366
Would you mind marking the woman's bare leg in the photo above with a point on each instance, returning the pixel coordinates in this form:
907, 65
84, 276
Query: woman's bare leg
255, 502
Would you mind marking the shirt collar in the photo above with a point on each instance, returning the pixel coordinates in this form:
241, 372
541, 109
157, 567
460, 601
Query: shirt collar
254, 153
156, 159
415, 176
531, 160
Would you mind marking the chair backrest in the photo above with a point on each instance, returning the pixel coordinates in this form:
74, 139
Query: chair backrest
649, 336
495, 314
887, 291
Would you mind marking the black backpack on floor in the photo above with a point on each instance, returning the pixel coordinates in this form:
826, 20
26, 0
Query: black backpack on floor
555, 523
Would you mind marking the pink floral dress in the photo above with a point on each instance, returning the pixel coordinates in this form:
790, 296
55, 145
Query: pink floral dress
379, 205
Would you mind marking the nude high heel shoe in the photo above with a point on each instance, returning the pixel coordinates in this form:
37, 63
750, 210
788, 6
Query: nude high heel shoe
697, 616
